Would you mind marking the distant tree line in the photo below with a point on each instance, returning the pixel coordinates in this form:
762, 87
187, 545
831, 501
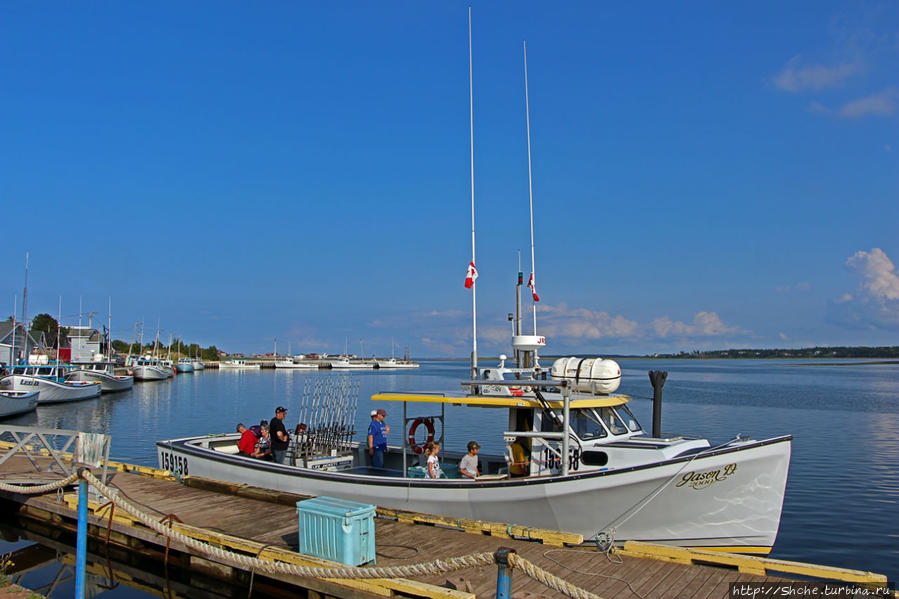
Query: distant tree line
48, 326
806, 352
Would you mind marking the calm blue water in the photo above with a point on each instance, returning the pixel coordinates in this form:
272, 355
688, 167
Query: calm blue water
841, 502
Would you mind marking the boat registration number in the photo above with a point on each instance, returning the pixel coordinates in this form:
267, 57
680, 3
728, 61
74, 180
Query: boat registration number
28, 383
173, 463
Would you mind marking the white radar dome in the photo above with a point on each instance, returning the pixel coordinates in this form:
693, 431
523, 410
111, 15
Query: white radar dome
589, 375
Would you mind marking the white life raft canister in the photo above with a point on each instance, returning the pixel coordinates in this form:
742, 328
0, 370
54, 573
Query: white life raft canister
589, 375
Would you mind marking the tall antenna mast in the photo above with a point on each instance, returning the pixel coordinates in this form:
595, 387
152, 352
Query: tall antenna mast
25, 294
527, 114
12, 348
474, 301
58, 335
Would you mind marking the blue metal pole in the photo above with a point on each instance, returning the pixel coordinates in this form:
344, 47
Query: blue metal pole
503, 573
81, 547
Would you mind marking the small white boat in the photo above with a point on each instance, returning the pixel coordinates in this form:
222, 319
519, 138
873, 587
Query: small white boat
49, 381
198, 364
394, 363
103, 373
147, 368
184, 365
13, 403
290, 364
238, 365
346, 364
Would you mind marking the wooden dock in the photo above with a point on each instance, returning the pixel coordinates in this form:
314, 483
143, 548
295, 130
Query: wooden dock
264, 523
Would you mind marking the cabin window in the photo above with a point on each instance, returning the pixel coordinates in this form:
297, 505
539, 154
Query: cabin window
611, 420
586, 424
629, 418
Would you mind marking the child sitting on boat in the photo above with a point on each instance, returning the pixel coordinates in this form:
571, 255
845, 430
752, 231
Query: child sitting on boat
431, 450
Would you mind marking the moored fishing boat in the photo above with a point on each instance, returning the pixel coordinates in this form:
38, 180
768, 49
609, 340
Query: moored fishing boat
13, 403
48, 379
184, 365
394, 363
103, 373
238, 365
290, 364
147, 368
575, 458
347, 364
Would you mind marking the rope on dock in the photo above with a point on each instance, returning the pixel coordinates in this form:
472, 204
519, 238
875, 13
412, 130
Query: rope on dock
39, 489
252, 563
548, 579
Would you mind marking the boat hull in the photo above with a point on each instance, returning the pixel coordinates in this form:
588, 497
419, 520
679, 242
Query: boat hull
51, 391
149, 373
13, 403
184, 367
729, 498
109, 383
198, 365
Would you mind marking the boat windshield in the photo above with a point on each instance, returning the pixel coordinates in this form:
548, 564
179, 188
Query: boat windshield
596, 423
625, 414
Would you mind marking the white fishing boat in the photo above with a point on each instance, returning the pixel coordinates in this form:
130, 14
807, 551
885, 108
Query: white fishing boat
101, 372
49, 380
289, 363
198, 364
147, 368
575, 458
238, 365
394, 363
13, 403
347, 364
184, 365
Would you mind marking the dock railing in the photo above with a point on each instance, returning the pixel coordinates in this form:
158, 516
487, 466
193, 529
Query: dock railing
66, 449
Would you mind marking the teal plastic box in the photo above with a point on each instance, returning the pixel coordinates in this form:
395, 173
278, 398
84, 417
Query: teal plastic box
337, 529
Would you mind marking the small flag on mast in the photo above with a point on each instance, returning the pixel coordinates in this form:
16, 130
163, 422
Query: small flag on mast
533, 287
471, 275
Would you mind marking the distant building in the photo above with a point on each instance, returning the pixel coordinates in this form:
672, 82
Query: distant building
85, 343
24, 343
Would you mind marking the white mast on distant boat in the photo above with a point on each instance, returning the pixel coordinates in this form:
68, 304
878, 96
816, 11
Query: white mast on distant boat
12, 348
58, 335
474, 301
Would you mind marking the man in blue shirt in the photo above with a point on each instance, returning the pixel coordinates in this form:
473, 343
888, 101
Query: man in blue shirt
377, 438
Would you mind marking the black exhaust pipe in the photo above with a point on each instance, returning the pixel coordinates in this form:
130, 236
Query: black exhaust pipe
657, 378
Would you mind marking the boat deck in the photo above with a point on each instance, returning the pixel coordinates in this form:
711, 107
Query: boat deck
269, 519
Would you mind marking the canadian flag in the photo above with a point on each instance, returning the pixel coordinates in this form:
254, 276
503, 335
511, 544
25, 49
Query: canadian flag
471, 275
533, 287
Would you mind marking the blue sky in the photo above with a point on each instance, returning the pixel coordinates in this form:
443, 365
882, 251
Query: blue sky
705, 176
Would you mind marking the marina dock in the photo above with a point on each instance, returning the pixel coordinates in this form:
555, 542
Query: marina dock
262, 523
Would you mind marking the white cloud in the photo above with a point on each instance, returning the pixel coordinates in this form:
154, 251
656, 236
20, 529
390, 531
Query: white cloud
816, 107
876, 303
581, 323
796, 78
880, 104
705, 324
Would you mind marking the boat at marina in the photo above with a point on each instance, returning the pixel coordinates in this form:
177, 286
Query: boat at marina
184, 365
345, 363
198, 364
147, 368
289, 363
591, 467
48, 378
574, 456
394, 363
238, 365
102, 372
13, 403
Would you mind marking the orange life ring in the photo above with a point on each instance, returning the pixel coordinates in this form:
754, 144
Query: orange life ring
429, 424
516, 391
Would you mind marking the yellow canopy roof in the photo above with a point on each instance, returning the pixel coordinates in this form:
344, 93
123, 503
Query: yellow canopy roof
492, 401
